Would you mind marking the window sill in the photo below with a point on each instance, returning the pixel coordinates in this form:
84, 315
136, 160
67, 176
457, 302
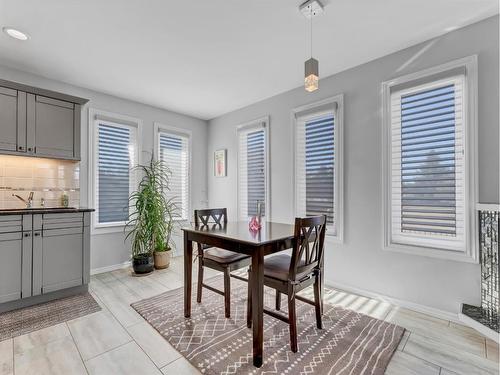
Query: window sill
458, 256
107, 228
333, 238
179, 219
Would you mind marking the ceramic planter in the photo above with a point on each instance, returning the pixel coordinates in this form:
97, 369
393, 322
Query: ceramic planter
143, 264
162, 259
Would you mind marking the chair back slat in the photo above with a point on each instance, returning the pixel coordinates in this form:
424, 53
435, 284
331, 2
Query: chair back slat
208, 216
214, 217
308, 251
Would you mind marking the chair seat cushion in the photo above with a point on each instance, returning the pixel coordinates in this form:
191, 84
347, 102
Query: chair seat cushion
223, 256
278, 267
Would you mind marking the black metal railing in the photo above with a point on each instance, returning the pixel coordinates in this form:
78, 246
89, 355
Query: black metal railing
489, 312
488, 244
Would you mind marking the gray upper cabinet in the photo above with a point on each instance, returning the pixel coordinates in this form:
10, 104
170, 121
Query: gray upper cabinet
37, 122
52, 127
12, 120
8, 119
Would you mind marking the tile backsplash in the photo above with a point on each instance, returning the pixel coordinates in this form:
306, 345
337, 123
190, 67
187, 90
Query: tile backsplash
47, 178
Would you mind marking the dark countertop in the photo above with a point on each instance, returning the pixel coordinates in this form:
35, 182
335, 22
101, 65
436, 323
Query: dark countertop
43, 210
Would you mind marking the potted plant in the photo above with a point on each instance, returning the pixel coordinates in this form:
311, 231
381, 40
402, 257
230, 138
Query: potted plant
164, 243
150, 224
162, 254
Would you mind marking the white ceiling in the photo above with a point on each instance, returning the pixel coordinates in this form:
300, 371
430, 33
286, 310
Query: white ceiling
208, 57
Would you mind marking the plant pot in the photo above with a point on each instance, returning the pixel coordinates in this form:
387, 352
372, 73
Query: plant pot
143, 264
162, 259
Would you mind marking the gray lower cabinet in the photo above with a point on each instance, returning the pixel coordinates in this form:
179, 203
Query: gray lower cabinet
27, 264
11, 250
62, 259
43, 253
37, 270
16, 255
58, 252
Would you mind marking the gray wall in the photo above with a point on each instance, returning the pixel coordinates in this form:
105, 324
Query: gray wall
360, 261
110, 249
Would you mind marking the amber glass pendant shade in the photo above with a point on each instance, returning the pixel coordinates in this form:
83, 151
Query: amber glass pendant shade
311, 80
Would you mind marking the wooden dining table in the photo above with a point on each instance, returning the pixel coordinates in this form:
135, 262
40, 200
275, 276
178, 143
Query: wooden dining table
237, 237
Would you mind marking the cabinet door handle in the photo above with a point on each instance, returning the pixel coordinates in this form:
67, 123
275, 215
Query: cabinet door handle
27, 234
30, 149
37, 234
20, 148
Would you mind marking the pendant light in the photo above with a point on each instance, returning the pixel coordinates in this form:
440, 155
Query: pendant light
311, 9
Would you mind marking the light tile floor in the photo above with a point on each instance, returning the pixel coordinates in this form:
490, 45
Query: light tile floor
117, 340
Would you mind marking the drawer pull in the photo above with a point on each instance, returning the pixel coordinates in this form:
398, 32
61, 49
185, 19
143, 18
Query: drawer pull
37, 234
20, 148
27, 234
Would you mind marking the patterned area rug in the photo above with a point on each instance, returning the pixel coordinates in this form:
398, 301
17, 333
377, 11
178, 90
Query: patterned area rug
28, 319
350, 343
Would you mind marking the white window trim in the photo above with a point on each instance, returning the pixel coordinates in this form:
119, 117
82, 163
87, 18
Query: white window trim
158, 128
471, 253
97, 228
337, 100
262, 120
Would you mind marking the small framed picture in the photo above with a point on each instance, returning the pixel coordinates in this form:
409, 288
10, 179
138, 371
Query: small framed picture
220, 168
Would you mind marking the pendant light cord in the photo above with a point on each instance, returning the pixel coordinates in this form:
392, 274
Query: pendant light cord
310, 9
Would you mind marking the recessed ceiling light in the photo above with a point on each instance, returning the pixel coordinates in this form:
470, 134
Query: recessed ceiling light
15, 33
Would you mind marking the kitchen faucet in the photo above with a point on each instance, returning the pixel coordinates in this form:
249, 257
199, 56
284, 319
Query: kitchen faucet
29, 201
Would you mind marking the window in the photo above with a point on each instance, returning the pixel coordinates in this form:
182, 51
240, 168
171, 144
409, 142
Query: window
252, 168
317, 162
173, 149
114, 154
428, 186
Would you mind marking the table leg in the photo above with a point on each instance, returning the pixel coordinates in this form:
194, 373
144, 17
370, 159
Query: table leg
188, 269
258, 305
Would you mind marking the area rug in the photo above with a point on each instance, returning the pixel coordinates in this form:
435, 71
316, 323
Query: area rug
349, 343
28, 319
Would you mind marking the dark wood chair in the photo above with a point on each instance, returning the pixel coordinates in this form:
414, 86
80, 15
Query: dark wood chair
291, 274
221, 260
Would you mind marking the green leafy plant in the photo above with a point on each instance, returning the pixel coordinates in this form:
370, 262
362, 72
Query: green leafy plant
151, 223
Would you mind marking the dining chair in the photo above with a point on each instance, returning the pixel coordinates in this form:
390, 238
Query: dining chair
217, 259
291, 274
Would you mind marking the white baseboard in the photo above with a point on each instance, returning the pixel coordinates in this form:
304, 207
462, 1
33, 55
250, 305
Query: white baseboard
446, 315
441, 314
113, 267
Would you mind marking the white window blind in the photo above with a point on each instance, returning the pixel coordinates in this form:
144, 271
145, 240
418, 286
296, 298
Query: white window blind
315, 164
116, 155
252, 169
173, 150
428, 165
